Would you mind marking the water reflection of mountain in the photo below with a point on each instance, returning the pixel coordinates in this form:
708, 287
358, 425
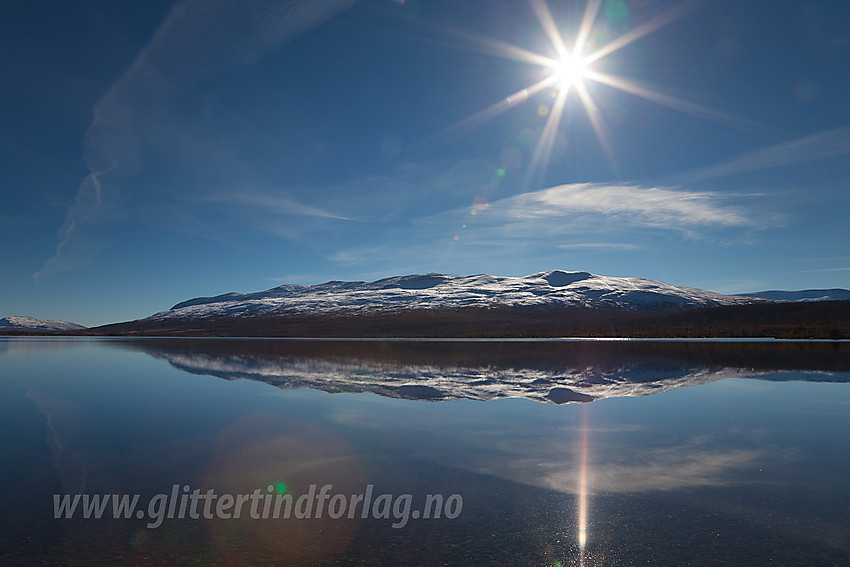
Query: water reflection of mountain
546, 371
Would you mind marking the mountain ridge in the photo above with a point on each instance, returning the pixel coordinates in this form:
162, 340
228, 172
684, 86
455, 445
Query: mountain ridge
22, 323
598, 291
446, 291
833, 294
553, 303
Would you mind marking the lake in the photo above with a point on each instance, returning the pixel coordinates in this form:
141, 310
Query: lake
343, 452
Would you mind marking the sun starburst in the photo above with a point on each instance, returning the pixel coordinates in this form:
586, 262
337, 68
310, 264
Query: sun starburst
569, 69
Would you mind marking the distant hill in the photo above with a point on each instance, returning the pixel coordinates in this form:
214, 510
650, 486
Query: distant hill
545, 304
30, 325
804, 295
555, 288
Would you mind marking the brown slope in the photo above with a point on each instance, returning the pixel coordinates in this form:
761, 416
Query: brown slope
827, 320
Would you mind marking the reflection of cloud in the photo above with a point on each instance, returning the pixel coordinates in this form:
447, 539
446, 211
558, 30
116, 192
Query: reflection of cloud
28, 346
197, 39
624, 469
823, 145
621, 457
68, 426
669, 469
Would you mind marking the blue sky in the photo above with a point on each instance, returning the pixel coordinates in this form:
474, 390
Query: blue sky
157, 151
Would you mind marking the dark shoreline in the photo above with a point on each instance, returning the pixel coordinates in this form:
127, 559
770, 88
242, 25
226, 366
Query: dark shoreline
815, 320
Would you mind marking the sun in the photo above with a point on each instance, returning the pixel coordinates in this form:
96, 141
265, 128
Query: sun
570, 71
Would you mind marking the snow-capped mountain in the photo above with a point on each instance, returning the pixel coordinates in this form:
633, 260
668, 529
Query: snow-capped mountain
440, 291
803, 295
29, 324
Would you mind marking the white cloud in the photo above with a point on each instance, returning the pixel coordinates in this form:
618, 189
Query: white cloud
547, 223
822, 145
580, 210
643, 206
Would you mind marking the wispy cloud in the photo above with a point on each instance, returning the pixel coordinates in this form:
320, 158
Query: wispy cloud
359, 255
587, 210
821, 270
278, 204
661, 207
198, 39
599, 246
408, 189
808, 259
317, 216
823, 145
567, 217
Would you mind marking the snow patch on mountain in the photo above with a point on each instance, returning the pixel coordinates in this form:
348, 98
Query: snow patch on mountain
441, 291
803, 295
21, 323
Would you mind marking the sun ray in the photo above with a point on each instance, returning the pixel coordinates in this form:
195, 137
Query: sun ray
596, 121
571, 70
544, 16
644, 29
590, 12
543, 151
478, 43
482, 116
491, 46
674, 103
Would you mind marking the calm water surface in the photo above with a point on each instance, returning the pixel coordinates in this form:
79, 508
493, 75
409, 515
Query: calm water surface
534, 453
